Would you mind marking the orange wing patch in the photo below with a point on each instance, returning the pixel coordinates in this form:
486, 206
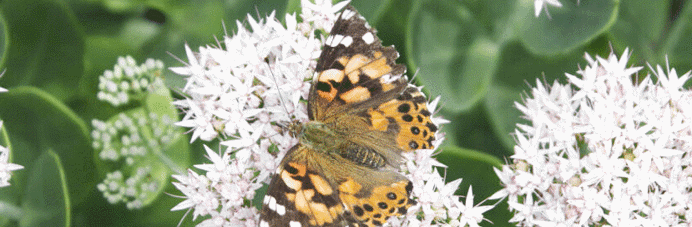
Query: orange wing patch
410, 112
311, 194
382, 202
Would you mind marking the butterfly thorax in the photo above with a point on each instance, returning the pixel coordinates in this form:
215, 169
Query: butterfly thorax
319, 136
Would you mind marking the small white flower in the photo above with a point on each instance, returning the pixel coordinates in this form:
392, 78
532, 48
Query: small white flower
613, 151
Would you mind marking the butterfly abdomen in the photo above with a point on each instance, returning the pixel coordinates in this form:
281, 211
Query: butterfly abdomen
363, 156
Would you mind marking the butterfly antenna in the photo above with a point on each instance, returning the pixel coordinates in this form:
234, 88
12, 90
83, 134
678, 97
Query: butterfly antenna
278, 90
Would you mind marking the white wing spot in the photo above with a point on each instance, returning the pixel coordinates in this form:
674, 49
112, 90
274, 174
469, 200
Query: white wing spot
266, 199
280, 209
329, 40
347, 14
347, 41
294, 224
335, 40
263, 223
272, 203
368, 38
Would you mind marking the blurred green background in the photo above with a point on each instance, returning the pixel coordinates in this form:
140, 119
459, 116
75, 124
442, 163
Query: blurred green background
479, 56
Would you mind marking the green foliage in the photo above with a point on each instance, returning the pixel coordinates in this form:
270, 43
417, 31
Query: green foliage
479, 56
46, 202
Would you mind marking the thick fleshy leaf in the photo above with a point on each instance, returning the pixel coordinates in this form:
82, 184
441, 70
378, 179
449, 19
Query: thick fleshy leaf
44, 47
678, 43
38, 122
569, 27
646, 19
46, 201
503, 115
456, 60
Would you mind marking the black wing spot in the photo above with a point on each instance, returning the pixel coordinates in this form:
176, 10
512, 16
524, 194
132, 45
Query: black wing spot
413, 145
368, 207
391, 196
425, 113
358, 211
431, 126
338, 66
290, 169
404, 108
415, 130
382, 205
322, 86
402, 210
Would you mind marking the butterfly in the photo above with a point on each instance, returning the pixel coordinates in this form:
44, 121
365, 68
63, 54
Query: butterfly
363, 114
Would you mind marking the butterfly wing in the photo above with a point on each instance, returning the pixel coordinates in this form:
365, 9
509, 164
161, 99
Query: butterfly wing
354, 69
358, 82
300, 195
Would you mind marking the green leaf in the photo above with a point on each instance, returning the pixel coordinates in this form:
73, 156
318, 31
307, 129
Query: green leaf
503, 115
569, 27
38, 122
175, 155
46, 201
678, 43
44, 47
456, 60
639, 26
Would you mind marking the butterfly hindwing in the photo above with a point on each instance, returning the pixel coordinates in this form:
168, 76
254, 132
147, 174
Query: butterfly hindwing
410, 117
299, 195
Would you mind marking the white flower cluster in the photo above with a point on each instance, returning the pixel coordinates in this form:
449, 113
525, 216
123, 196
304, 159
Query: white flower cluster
605, 149
436, 203
127, 79
244, 91
122, 141
241, 92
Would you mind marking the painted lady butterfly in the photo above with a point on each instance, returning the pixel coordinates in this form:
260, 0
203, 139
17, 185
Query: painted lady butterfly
363, 114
